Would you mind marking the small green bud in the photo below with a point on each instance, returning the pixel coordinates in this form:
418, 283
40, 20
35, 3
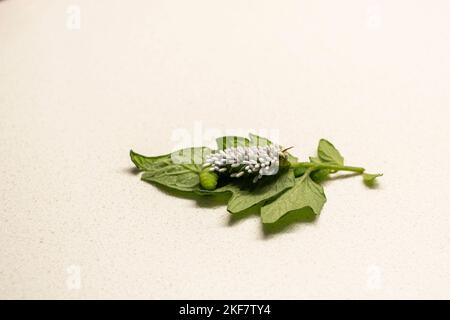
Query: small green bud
208, 179
320, 175
299, 171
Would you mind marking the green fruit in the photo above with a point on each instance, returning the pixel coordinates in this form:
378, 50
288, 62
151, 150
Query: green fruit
208, 179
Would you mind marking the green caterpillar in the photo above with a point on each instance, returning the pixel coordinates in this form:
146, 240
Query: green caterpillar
208, 179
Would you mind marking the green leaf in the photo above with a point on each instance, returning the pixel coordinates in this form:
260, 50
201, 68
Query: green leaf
328, 153
305, 193
187, 155
145, 163
245, 196
178, 170
259, 141
291, 158
370, 178
195, 155
315, 160
266, 189
231, 142
174, 176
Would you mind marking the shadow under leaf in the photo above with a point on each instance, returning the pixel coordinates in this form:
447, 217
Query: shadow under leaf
134, 171
304, 215
235, 218
338, 176
371, 184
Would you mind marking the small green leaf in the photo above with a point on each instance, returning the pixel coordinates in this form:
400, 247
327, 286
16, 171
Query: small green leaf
305, 193
291, 158
315, 160
328, 153
231, 142
370, 178
265, 189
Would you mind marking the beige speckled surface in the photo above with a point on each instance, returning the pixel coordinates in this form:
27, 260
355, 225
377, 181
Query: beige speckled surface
372, 76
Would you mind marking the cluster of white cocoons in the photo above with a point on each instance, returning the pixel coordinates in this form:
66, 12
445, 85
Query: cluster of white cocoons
258, 160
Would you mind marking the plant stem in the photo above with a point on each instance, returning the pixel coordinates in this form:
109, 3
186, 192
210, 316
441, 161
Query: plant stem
334, 167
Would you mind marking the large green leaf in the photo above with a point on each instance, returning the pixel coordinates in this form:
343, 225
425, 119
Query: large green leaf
305, 193
178, 170
266, 189
146, 163
247, 195
187, 155
175, 176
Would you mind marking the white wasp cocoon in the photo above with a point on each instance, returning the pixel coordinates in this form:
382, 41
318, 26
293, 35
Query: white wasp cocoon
258, 160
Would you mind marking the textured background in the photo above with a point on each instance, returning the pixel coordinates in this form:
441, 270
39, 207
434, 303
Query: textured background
75, 222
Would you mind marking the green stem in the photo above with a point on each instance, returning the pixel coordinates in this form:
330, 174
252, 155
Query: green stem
334, 167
